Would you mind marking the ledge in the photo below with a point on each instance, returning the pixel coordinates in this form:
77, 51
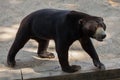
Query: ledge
113, 74
88, 72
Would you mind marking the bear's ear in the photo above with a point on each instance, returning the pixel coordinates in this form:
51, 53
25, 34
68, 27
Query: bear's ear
81, 21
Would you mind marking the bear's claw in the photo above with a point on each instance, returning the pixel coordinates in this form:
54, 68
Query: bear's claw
99, 65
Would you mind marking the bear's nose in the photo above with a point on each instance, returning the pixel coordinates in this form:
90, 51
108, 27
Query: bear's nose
103, 36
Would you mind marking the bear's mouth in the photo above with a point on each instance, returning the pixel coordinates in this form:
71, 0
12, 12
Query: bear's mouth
99, 40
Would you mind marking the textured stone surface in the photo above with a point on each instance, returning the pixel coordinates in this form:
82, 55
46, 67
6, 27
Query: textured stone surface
10, 75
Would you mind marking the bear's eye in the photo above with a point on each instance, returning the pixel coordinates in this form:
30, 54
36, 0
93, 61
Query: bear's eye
102, 25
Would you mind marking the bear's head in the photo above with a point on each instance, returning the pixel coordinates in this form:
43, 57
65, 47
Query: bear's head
94, 27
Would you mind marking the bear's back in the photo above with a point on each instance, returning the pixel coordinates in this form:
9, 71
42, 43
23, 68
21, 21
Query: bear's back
44, 22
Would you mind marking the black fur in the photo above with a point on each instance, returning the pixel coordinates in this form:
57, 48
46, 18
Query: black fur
62, 26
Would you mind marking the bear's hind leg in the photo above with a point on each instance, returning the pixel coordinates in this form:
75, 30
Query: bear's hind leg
20, 40
42, 49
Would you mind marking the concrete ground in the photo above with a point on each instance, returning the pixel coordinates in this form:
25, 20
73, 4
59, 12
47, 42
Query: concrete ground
29, 65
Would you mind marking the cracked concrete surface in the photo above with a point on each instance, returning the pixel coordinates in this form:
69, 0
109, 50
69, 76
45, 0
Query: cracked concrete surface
13, 11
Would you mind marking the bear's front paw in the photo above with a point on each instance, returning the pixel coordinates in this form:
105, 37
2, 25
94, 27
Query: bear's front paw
11, 63
99, 65
72, 68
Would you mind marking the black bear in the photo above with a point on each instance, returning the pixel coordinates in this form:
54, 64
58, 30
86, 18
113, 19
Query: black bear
64, 27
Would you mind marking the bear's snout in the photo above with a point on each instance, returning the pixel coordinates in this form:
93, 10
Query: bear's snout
99, 34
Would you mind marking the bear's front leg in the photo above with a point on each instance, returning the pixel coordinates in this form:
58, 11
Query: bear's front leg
89, 48
62, 51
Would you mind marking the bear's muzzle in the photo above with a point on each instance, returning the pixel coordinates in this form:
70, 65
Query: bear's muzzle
99, 34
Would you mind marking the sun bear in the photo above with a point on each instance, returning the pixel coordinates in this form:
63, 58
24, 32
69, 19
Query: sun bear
64, 27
